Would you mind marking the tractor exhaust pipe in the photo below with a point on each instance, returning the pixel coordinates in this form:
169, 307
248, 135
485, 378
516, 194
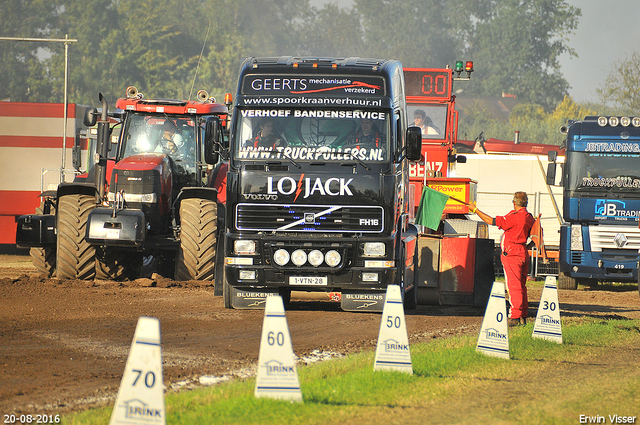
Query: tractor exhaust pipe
102, 152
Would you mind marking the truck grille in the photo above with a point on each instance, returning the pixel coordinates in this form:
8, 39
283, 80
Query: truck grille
614, 237
310, 218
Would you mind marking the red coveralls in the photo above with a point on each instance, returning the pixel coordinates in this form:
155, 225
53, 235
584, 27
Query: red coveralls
515, 258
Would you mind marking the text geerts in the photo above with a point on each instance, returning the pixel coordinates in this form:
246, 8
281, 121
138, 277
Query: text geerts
263, 84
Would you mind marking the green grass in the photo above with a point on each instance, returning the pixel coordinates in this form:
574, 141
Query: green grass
595, 372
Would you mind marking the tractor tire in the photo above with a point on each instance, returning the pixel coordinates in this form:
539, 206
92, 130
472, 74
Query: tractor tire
116, 264
567, 282
76, 258
44, 258
198, 233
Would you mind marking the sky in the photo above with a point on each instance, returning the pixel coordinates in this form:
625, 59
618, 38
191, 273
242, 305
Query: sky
607, 33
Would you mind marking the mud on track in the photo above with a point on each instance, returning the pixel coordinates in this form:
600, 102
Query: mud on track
63, 344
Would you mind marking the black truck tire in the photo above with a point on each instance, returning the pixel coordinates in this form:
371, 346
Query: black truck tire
76, 258
219, 272
226, 293
407, 278
198, 233
567, 282
44, 258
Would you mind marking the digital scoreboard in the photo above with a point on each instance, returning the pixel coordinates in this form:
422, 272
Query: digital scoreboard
433, 84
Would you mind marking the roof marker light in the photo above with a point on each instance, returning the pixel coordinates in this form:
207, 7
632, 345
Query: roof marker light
602, 121
625, 121
613, 121
635, 121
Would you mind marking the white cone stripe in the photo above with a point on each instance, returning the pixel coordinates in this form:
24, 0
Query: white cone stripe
496, 349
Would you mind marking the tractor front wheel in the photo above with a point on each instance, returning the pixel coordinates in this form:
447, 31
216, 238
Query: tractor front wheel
76, 258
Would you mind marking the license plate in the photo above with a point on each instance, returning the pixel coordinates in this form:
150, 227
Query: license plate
112, 234
308, 280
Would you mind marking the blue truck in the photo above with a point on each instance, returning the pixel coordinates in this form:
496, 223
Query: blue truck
600, 238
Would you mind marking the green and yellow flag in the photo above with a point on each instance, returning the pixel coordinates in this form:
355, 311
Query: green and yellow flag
430, 209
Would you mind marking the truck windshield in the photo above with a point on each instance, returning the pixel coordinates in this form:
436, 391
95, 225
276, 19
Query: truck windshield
432, 119
312, 134
603, 172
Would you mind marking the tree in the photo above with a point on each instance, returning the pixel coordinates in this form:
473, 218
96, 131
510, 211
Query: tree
515, 45
622, 86
23, 77
420, 33
330, 31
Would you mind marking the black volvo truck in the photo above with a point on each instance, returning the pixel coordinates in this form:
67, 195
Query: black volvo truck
317, 188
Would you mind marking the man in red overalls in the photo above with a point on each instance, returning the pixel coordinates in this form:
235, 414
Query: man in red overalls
515, 257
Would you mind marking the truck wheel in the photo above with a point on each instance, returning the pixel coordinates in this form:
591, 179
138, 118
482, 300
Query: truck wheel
226, 292
115, 264
44, 258
219, 271
76, 258
567, 282
198, 232
410, 297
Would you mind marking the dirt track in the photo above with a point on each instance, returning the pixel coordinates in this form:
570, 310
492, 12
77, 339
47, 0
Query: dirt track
63, 344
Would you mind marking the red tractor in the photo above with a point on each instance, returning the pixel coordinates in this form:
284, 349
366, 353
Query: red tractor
157, 204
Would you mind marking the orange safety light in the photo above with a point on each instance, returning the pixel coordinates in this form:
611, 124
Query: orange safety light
315, 64
295, 65
228, 98
334, 65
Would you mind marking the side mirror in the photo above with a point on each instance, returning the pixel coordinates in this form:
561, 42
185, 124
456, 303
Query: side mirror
552, 155
551, 174
211, 136
461, 159
414, 143
76, 154
90, 117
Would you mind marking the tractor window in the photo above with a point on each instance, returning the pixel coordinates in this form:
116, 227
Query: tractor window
173, 136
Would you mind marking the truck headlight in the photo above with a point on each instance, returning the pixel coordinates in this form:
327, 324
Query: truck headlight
576, 237
315, 258
246, 247
332, 258
374, 249
299, 257
281, 257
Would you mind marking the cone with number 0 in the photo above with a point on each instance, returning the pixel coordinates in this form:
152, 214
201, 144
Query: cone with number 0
494, 335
